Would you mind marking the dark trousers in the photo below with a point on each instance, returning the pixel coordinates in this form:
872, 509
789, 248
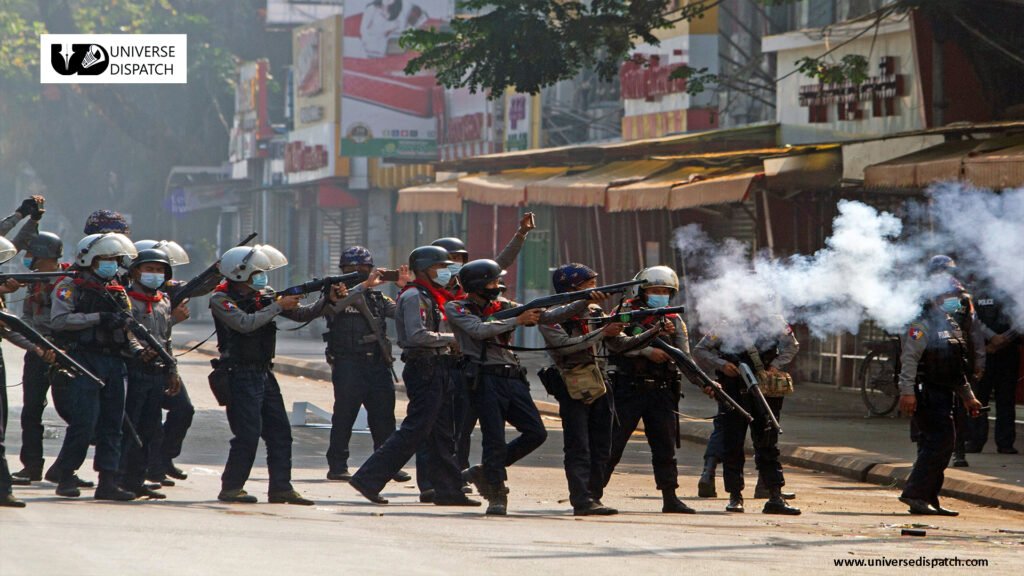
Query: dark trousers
428, 423
764, 439
587, 445
465, 422
715, 442
999, 383
5, 472
499, 400
657, 408
170, 437
359, 382
257, 411
35, 383
94, 412
142, 409
936, 437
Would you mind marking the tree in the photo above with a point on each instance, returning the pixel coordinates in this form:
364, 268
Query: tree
532, 44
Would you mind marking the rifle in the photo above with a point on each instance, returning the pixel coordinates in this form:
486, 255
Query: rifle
29, 277
318, 284
140, 331
66, 362
564, 298
382, 341
634, 315
196, 285
700, 378
755, 391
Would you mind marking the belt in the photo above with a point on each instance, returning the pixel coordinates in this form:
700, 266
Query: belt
413, 354
639, 382
511, 371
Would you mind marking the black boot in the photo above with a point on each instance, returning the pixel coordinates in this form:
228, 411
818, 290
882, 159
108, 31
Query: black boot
26, 476
706, 484
9, 501
593, 508
107, 489
497, 500
671, 504
735, 502
760, 492
174, 472
67, 483
776, 504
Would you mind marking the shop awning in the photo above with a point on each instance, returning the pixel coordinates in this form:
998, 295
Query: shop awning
997, 170
653, 193
587, 188
919, 169
434, 197
504, 188
723, 189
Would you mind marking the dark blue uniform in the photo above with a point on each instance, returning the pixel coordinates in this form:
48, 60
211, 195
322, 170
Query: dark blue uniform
1002, 369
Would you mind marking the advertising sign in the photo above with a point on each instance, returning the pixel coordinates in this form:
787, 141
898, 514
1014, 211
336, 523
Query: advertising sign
251, 124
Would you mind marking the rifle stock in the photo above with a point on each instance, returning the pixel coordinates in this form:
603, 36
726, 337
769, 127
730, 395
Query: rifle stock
193, 286
67, 362
755, 391
700, 378
634, 315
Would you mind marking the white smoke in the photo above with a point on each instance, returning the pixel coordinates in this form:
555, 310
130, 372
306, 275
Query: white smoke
871, 268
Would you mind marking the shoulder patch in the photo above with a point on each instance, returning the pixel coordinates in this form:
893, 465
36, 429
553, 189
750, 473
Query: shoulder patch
916, 332
65, 293
228, 305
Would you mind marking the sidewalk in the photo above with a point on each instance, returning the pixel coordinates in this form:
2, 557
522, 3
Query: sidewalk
823, 428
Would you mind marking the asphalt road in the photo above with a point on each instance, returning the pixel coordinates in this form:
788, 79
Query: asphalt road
192, 533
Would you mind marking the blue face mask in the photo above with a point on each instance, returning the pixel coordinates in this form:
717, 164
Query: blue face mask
454, 268
444, 276
258, 281
951, 305
27, 262
106, 269
152, 280
657, 300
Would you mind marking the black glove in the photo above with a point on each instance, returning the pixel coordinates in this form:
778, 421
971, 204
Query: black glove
39, 210
28, 206
111, 319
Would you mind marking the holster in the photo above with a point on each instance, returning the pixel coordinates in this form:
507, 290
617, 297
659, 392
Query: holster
551, 379
220, 382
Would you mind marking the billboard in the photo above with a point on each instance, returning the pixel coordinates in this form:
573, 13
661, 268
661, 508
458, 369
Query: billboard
315, 52
385, 113
251, 127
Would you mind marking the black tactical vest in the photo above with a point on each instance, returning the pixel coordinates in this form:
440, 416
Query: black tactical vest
990, 312
349, 332
944, 363
255, 349
640, 366
101, 338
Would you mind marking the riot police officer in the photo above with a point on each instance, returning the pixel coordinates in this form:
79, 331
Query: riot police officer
359, 354
148, 383
933, 368
499, 390
769, 352
243, 315
42, 254
1002, 370
89, 325
426, 350
647, 386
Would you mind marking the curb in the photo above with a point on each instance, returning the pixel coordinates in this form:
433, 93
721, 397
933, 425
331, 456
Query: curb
869, 467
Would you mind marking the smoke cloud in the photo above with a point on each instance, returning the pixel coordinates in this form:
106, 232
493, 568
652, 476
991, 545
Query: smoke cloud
873, 267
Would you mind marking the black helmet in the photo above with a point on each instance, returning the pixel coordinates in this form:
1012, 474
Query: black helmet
452, 245
941, 263
426, 256
46, 245
154, 255
477, 274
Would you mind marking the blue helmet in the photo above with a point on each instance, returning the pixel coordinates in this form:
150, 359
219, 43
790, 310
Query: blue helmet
941, 263
356, 256
568, 276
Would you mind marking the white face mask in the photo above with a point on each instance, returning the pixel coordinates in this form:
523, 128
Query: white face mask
152, 280
442, 277
454, 268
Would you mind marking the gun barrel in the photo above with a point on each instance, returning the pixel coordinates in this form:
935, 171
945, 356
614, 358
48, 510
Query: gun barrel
21, 327
29, 277
629, 316
564, 298
755, 391
693, 373
317, 284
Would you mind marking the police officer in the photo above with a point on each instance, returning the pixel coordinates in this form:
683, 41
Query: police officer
360, 357
499, 390
148, 383
167, 440
772, 349
104, 221
42, 254
243, 314
647, 386
89, 326
7, 499
586, 418
933, 369
1002, 370
426, 350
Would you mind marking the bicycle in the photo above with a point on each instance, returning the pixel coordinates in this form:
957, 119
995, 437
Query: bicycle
879, 376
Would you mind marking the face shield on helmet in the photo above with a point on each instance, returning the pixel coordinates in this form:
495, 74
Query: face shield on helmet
175, 253
658, 277
7, 250
108, 245
239, 263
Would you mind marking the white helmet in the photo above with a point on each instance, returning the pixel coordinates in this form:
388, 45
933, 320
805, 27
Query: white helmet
7, 250
175, 253
108, 245
662, 276
239, 263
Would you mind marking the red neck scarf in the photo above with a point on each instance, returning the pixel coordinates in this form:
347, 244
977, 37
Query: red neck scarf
225, 288
149, 300
439, 295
